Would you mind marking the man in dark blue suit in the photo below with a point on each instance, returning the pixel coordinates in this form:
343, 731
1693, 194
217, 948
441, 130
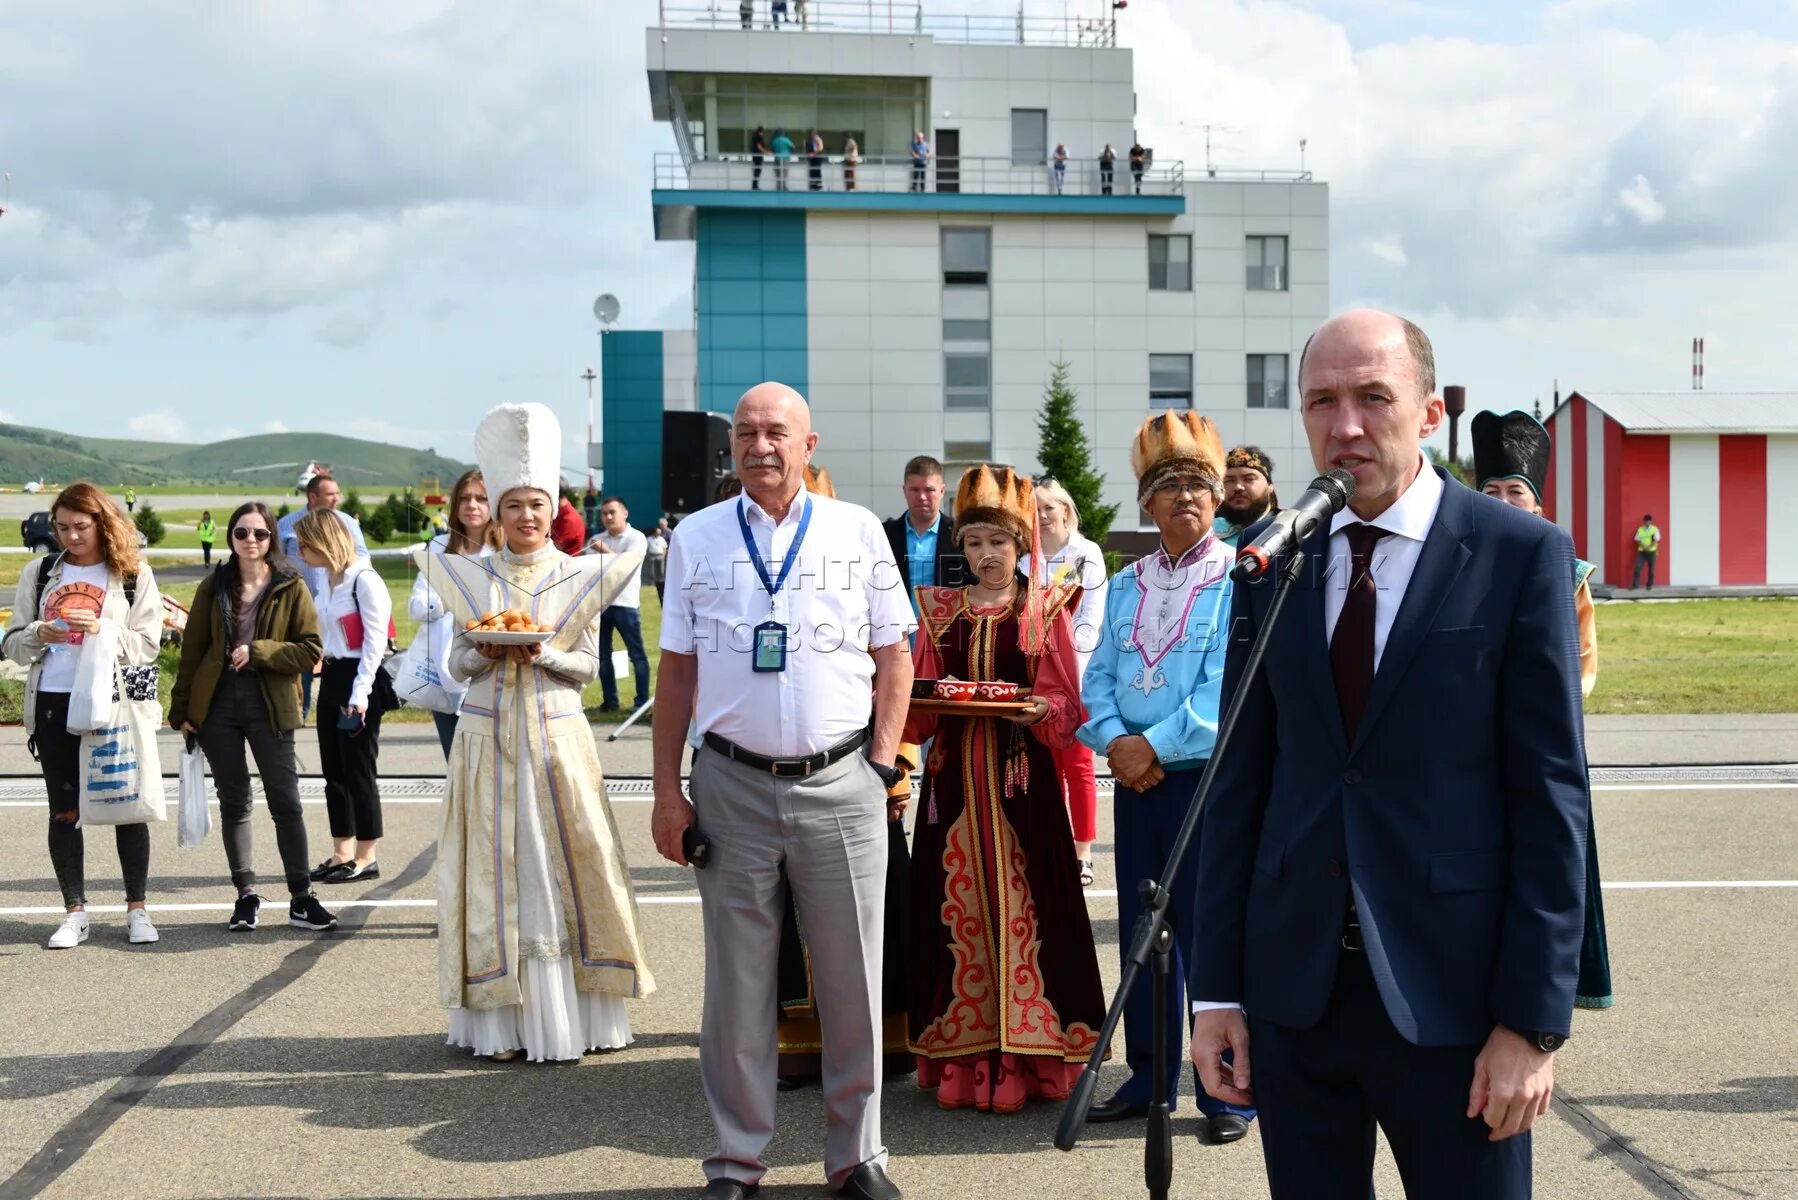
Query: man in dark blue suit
1391, 874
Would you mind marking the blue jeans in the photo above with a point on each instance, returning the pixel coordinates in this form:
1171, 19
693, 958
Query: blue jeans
1146, 824
629, 624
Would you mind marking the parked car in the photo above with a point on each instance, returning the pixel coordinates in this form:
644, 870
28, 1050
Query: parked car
38, 535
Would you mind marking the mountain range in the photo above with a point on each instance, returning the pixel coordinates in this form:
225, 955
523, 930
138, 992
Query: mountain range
266, 460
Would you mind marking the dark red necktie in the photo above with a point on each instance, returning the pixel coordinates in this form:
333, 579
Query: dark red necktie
1351, 645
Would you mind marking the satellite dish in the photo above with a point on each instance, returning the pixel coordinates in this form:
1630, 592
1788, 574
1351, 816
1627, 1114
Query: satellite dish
606, 309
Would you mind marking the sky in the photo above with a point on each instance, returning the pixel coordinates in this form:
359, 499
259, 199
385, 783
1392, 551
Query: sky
383, 219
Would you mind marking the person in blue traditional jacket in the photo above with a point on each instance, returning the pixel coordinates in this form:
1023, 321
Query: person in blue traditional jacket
1510, 460
1151, 692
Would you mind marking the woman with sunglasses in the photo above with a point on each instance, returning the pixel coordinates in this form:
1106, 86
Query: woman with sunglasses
252, 632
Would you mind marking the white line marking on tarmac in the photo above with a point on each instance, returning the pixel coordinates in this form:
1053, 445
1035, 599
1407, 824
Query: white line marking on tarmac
616, 800
47, 910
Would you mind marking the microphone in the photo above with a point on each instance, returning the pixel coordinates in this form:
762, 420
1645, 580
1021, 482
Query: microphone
1291, 526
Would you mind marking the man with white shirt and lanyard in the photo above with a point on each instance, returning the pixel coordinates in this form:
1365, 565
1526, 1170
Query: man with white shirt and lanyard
785, 642
1392, 862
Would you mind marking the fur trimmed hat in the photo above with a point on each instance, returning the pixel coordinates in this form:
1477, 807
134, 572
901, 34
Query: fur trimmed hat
817, 480
1512, 446
1176, 443
519, 446
1000, 497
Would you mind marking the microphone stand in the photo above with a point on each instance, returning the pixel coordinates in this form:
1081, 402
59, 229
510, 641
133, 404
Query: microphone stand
1152, 941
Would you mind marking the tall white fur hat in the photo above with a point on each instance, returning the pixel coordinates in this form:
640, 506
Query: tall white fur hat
519, 446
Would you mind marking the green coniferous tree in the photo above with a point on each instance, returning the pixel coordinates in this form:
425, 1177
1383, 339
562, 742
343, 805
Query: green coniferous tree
1066, 456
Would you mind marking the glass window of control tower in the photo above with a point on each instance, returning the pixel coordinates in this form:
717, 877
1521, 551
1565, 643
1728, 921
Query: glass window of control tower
722, 112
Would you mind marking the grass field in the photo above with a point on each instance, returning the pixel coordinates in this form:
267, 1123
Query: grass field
1681, 656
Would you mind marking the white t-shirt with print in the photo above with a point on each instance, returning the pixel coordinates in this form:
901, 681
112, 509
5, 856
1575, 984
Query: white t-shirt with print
81, 589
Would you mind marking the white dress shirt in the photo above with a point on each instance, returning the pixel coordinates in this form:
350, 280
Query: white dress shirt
844, 597
618, 543
1394, 558
361, 591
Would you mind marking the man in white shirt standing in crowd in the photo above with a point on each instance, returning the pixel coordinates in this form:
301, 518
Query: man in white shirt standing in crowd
321, 492
625, 614
785, 642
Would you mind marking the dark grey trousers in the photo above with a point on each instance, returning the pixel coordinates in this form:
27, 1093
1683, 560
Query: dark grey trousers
239, 718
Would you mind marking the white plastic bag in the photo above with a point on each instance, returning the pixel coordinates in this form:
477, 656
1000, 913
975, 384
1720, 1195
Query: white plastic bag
96, 668
417, 678
195, 814
121, 768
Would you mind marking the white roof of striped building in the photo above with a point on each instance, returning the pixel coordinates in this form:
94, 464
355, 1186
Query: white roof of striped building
1699, 412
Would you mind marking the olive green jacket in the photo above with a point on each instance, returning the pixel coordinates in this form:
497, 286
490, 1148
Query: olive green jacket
286, 646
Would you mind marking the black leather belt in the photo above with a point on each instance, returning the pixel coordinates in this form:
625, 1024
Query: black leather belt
786, 768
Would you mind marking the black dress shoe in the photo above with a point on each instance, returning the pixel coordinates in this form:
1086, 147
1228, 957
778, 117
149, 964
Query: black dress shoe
1223, 1129
794, 1083
1115, 1109
869, 1182
318, 873
729, 1189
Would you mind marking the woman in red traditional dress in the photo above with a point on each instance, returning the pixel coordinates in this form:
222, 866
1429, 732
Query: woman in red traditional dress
1005, 997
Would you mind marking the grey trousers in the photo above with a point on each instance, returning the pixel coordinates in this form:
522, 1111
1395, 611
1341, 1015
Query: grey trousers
830, 830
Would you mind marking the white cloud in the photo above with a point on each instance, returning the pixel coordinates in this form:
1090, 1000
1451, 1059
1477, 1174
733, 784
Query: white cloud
160, 425
276, 426
1388, 248
1570, 12
1638, 198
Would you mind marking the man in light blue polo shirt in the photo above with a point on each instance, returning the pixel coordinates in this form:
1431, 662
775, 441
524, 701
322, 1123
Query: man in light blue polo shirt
920, 539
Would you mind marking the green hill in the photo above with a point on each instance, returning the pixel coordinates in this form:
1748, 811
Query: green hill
266, 460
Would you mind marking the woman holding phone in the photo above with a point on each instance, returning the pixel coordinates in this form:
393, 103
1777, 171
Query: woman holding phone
354, 615
62, 600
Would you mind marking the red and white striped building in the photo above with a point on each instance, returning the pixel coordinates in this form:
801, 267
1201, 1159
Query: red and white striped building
1702, 462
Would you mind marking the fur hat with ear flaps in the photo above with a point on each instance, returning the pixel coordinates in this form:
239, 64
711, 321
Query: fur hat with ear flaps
519, 446
1173, 443
817, 481
1000, 497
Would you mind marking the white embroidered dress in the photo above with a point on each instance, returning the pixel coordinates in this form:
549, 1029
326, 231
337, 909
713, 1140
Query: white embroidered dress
538, 936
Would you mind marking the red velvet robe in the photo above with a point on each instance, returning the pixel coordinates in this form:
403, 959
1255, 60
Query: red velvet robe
1005, 996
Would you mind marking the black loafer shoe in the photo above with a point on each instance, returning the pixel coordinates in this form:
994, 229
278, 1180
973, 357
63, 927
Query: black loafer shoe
869, 1182
1223, 1129
356, 874
1115, 1109
729, 1189
325, 868
341, 873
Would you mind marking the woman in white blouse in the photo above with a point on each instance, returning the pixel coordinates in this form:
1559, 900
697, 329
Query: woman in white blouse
473, 532
1070, 557
355, 615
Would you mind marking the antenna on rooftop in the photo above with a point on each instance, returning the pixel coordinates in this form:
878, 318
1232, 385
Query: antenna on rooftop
1698, 364
1211, 127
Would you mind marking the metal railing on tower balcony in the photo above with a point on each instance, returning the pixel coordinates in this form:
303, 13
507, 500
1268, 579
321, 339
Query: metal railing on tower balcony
902, 17
975, 176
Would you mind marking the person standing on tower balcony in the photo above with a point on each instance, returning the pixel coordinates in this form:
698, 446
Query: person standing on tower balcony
758, 150
920, 160
1107, 160
852, 157
783, 152
1058, 167
814, 161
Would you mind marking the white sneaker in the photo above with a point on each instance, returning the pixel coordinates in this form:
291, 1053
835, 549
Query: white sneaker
71, 933
138, 928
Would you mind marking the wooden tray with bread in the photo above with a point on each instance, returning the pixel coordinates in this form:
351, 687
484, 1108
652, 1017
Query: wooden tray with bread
968, 698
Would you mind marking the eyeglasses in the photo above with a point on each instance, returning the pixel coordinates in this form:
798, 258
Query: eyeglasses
243, 535
1173, 487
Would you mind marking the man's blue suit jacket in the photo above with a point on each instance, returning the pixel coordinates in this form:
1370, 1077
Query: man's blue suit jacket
1457, 820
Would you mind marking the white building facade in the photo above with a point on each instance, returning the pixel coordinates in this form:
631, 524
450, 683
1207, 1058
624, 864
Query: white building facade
921, 310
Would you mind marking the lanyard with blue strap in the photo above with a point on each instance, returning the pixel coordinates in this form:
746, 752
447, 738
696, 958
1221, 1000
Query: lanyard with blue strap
771, 636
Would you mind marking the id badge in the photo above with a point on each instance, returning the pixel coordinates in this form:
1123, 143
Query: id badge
770, 647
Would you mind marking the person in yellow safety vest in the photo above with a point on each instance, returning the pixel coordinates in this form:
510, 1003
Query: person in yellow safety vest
209, 533
1648, 547
130, 500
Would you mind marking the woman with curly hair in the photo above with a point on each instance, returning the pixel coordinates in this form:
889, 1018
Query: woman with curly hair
94, 584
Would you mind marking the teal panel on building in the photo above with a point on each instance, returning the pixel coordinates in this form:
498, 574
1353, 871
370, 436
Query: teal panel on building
631, 368
750, 284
